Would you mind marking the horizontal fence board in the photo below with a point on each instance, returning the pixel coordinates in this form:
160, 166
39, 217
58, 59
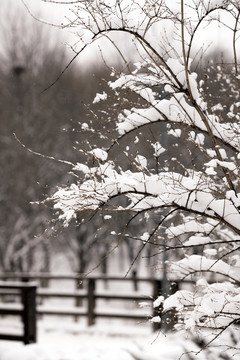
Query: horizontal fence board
82, 295
58, 293
100, 313
9, 311
12, 337
122, 316
133, 296
42, 310
11, 292
17, 285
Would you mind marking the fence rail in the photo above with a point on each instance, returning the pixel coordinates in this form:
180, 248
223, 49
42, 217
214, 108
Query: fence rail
33, 297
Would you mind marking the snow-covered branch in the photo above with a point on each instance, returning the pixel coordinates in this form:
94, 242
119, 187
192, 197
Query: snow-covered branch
180, 142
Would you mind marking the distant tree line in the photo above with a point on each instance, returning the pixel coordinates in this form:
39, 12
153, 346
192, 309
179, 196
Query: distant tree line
50, 123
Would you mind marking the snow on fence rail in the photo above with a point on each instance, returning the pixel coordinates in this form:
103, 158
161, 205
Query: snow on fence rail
89, 292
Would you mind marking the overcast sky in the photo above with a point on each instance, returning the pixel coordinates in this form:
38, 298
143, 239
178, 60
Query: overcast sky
50, 13
47, 12
57, 14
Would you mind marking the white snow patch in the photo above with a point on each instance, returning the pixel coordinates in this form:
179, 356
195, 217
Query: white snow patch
99, 154
85, 126
158, 149
99, 97
158, 301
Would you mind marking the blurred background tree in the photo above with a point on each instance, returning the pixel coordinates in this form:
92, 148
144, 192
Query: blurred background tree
30, 59
48, 122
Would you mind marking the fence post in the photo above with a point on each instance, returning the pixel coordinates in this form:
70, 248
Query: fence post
135, 282
44, 282
78, 285
78, 300
25, 278
91, 302
157, 289
172, 320
29, 314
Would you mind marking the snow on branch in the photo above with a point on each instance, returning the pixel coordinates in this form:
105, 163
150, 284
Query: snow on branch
174, 135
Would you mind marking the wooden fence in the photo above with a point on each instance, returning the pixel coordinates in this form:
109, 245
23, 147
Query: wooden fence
89, 293
27, 310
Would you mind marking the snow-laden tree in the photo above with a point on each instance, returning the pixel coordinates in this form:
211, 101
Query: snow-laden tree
180, 146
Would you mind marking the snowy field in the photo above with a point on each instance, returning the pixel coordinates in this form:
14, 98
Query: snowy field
61, 339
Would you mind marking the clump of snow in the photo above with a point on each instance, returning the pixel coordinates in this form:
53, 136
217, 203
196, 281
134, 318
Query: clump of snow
145, 236
175, 132
202, 282
210, 171
200, 263
85, 126
81, 167
158, 148
99, 154
99, 97
226, 164
158, 301
141, 160
210, 252
235, 198
155, 319
197, 138
197, 240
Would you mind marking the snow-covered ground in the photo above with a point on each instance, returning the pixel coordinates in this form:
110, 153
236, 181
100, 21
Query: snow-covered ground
67, 340
64, 339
